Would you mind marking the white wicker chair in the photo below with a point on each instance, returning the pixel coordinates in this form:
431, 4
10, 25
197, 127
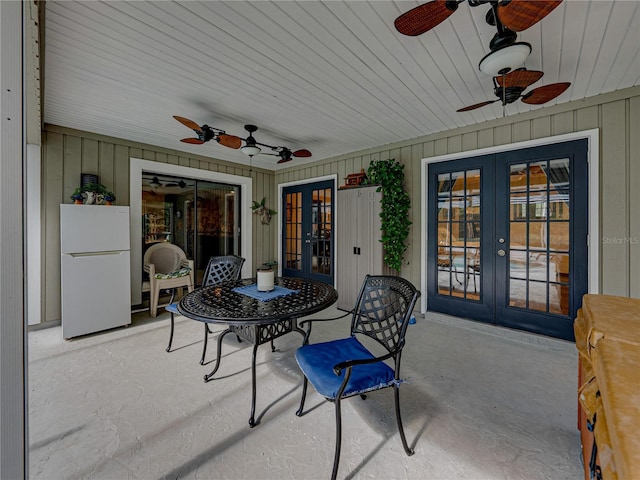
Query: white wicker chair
168, 268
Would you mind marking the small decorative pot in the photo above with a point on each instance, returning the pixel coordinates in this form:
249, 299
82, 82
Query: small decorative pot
266, 280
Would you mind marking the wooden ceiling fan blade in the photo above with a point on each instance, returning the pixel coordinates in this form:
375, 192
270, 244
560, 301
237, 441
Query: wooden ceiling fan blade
519, 78
541, 95
188, 123
518, 15
285, 160
477, 105
424, 17
230, 141
301, 153
195, 141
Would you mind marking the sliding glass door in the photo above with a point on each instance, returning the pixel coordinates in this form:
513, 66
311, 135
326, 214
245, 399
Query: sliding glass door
200, 217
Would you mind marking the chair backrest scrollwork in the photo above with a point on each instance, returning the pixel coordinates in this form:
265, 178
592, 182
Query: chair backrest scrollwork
222, 268
383, 310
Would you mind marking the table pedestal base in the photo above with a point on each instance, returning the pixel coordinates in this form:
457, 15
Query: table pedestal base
256, 335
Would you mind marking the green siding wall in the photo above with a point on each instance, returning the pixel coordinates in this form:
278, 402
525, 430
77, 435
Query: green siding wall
67, 153
616, 115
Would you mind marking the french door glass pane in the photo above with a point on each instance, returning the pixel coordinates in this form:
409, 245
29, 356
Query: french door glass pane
459, 234
321, 231
539, 236
293, 226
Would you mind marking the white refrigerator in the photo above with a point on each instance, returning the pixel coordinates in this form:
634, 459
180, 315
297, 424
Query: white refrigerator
95, 268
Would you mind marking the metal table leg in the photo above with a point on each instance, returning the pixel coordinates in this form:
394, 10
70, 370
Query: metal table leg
256, 335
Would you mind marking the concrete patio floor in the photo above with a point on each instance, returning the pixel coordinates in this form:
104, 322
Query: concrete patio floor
481, 402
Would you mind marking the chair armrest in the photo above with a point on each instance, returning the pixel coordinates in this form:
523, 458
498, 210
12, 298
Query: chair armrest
337, 369
310, 321
189, 264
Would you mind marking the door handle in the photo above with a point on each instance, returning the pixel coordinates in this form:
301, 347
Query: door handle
307, 241
501, 253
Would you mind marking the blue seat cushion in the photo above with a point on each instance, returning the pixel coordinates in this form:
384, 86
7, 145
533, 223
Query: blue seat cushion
172, 307
317, 361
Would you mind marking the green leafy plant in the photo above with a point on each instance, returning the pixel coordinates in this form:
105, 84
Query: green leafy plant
96, 188
389, 174
259, 208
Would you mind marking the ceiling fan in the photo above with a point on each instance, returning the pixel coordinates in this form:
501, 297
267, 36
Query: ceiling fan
511, 86
508, 16
250, 148
205, 133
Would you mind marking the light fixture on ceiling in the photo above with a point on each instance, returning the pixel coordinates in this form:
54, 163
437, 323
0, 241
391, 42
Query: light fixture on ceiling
250, 148
155, 183
505, 59
506, 53
508, 16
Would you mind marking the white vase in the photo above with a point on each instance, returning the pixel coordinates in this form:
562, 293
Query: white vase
266, 280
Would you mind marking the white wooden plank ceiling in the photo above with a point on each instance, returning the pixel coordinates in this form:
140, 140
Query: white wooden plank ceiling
333, 77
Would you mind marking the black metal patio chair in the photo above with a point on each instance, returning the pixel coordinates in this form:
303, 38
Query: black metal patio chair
343, 368
222, 268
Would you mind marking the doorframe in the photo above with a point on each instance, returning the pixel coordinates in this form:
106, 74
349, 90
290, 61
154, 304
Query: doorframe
282, 186
593, 237
137, 166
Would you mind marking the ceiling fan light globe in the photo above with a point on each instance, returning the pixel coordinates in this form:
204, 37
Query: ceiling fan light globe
505, 59
251, 150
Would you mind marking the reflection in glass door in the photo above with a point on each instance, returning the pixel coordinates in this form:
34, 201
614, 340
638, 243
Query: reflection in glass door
539, 236
215, 219
200, 217
307, 226
508, 237
459, 246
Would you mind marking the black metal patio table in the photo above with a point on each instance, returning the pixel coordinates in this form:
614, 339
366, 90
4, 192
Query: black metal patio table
254, 320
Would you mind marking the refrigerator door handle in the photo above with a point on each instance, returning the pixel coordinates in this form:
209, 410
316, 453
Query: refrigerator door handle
94, 254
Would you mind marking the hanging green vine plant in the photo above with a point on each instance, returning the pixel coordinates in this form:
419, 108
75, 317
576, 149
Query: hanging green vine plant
389, 174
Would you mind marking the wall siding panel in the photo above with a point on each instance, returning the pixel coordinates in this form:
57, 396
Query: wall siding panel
90, 159
72, 169
68, 153
52, 170
563, 123
614, 215
106, 164
485, 138
501, 135
521, 131
121, 179
541, 127
469, 141
633, 164
617, 115
587, 118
